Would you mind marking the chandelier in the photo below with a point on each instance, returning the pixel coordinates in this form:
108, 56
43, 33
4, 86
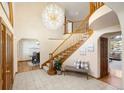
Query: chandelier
53, 16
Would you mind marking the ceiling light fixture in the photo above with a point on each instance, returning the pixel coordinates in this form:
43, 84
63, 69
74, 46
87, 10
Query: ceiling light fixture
53, 16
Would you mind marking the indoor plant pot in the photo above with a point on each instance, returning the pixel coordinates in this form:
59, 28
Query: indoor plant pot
58, 66
59, 72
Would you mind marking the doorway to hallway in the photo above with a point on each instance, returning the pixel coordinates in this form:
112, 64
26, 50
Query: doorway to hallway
110, 58
28, 55
6, 57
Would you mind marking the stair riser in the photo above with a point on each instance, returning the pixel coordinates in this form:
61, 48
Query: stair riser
68, 52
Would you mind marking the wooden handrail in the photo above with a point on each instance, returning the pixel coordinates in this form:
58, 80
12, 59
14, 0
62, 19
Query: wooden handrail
94, 6
62, 43
82, 23
91, 7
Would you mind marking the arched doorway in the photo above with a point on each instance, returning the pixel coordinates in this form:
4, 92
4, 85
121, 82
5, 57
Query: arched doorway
28, 54
113, 72
111, 58
107, 23
119, 10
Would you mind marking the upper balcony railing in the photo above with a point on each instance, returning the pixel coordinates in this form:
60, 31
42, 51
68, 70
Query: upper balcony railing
76, 26
72, 39
81, 27
94, 6
8, 10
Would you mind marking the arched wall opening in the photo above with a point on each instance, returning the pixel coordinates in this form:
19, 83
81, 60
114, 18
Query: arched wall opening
110, 48
104, 25
119, 10
115, 70
28, 54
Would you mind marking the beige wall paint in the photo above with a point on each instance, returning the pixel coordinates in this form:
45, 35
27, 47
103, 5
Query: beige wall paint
92, 57
26, 47
119, 10
100, 12
28, 25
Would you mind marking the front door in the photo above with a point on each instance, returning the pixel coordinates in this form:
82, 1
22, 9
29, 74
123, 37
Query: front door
103, 57
1, 67
6, 58
9, 59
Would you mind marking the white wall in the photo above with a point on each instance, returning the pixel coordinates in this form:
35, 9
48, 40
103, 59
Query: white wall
100, 12
92, 57
26, 47
28, 25
119, 10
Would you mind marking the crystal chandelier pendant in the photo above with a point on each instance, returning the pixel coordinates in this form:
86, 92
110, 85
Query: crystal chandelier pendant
53, 17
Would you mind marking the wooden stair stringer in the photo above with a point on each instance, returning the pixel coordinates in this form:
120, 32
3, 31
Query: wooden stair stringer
80, 43
49, 60
76, 49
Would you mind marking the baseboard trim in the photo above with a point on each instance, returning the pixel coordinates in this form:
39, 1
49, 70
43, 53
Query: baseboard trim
94, 77
24, 60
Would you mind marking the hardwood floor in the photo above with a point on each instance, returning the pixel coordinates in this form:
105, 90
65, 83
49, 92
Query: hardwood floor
112, 80
26, 66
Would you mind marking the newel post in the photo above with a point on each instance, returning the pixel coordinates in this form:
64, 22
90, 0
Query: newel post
92, 7
51, 70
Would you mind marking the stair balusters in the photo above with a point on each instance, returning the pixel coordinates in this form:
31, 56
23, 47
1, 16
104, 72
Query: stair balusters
94, 6
70, 44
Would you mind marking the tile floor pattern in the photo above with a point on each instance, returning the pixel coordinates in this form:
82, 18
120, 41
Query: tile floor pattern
39, 80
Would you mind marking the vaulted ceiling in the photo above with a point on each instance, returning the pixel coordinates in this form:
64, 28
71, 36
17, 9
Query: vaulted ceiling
75, 10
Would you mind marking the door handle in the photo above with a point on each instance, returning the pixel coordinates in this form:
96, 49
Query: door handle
8, 71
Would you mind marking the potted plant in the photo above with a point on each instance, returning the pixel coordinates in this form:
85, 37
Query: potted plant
58, 66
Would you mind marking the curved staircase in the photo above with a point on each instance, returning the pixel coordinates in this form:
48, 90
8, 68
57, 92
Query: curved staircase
71, 43
68, 46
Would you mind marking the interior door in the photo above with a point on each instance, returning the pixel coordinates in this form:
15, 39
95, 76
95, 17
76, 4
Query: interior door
9, 59
103, 57
6, 58
1, 67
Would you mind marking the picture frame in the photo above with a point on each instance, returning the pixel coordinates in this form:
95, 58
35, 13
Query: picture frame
90, 48
83, 52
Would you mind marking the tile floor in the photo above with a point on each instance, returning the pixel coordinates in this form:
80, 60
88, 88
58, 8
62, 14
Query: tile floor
39, 80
